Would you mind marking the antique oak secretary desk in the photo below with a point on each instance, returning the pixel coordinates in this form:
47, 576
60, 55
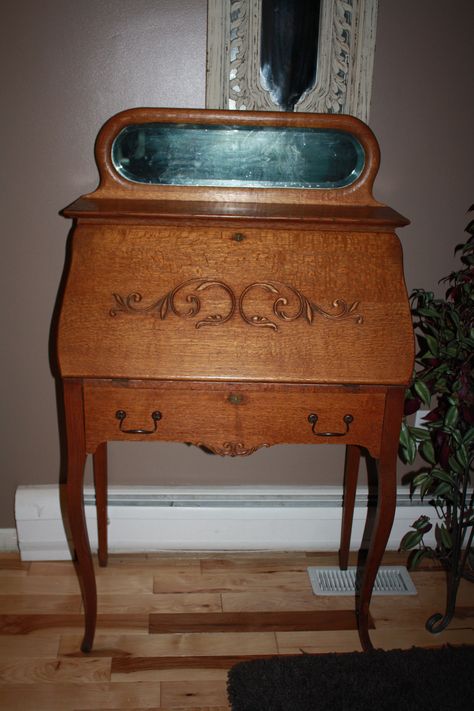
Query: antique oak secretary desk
233, 284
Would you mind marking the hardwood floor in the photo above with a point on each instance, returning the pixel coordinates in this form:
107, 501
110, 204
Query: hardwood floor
170, 626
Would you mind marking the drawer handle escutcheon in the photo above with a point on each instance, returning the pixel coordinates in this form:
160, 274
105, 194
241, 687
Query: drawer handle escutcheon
313, 419
155, 416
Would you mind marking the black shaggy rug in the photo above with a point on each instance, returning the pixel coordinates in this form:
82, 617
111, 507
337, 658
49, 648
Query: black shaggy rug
421, 679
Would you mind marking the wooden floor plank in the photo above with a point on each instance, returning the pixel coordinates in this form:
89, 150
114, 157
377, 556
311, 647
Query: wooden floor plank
285, 581
80, 697
54, 670
177, 668
41, 604
195, 693
178, 645
318, 642
24, 646
178, 673
40, 585
277, 600
253, 621
47, 624
52, 567
120, 565
124, 604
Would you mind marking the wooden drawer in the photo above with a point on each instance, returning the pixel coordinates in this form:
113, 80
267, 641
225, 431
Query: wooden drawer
233, 418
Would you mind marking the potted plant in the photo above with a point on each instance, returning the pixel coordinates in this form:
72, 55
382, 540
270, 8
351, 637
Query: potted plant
444, 382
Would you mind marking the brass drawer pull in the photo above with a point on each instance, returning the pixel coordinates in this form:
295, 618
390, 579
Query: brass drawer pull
313, 419
121, 415
238, 237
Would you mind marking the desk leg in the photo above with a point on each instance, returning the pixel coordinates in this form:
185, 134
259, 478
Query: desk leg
76, 459
386, 504
351, 471
100, 485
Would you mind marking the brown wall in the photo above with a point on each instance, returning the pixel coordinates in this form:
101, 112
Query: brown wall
67, 66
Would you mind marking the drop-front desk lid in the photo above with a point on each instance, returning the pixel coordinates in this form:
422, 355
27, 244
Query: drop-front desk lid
235, 246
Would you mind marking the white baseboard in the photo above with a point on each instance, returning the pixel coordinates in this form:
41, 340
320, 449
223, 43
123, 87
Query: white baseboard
146, 519
8, 540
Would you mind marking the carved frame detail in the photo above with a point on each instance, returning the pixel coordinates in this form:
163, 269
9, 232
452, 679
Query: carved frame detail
345, 58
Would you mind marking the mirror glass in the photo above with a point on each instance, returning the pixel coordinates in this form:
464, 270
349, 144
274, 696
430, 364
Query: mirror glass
237, 156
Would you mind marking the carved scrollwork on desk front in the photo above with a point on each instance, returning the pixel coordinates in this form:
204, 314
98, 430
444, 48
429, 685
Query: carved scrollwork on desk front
231, 449
289, 304
190, 292
299, 306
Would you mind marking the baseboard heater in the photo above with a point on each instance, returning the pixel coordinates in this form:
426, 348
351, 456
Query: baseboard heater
147, 519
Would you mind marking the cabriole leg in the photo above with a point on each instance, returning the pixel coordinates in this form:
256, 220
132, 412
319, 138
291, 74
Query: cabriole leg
100, 485
351, 471
76, 458
386, 504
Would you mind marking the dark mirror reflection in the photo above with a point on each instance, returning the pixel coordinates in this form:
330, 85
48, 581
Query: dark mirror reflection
289, 49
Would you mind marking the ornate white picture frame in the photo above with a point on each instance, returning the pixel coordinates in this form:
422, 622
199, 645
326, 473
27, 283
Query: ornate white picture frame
344, 65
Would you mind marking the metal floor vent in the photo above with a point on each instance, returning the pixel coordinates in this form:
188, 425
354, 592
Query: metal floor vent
333, 581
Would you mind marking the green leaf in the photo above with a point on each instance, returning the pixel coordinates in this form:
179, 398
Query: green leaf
451, 416
442, 476
426, 486
416, 558
462, 457
407, 444
422, 390
404, 435
426, 450
432, 344
426, 312
446, 538
410, 540
455, 466
419, 433
468, 438
420, 478
443, 490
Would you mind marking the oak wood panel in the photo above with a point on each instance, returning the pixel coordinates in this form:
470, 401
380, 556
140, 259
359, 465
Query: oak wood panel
229, 330
215, 417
